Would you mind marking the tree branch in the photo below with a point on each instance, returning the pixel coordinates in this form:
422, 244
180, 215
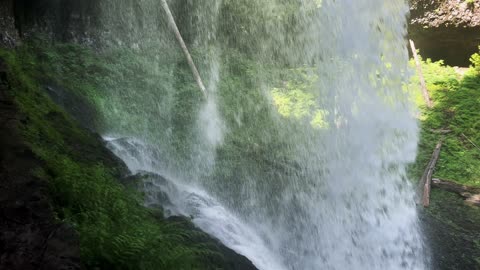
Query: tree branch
173, 25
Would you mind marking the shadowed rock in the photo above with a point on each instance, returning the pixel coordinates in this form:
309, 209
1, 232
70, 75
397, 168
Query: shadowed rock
446, 29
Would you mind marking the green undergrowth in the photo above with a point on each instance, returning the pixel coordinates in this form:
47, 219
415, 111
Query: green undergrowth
115, 230
151, 95
451, 227
455, 119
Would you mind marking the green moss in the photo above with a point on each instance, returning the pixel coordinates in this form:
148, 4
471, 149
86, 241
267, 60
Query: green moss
456, 101
116, 231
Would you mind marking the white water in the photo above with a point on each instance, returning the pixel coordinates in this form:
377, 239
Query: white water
189, 200
346, 203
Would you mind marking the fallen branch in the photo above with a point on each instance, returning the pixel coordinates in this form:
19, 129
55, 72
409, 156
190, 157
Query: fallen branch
423, 84
426, 179
440, 131
470, 194
173, 25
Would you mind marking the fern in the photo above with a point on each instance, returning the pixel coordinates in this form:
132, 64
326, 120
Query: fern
115, 230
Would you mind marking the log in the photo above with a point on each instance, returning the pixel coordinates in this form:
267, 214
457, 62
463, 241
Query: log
449, 185
173, 25
426, 179
423, 84
470, 194
440, 131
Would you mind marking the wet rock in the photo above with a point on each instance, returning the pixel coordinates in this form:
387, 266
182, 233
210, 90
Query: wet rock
61, 20
8, 33
158, 192
75, 105
156, 189
229, 259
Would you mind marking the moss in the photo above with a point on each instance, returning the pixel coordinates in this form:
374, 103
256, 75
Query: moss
116, 231
451, 227
455, 100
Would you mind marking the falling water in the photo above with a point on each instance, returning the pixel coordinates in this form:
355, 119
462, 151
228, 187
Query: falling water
297, 159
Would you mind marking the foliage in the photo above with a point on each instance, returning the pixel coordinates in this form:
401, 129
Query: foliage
436, 74
456, 99
298, 100
475, 59
116, 231
106, 79
124, 86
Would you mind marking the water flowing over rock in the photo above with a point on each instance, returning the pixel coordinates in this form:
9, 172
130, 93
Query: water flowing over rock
297, 157
329, 191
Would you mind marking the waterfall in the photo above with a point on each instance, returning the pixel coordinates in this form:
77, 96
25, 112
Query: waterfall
297, 159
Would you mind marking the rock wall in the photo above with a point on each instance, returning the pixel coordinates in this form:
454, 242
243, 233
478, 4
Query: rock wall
61, 20
446, 29
8, 32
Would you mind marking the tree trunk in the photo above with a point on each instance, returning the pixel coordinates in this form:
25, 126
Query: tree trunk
173, 25
426, 179
471, 194
423, 84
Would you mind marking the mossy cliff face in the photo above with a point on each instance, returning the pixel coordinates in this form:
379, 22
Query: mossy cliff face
77, 183
446, 29
31, 237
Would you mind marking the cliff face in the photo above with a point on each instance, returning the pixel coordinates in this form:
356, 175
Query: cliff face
61, 20
446, 29
31, 237
436, 13
8, 33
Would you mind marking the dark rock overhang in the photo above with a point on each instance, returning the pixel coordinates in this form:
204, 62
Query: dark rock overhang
446, 29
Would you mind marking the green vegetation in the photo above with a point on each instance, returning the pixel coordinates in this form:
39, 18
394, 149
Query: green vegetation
116, 231
297, 100
457, 99
450, 225
105, 80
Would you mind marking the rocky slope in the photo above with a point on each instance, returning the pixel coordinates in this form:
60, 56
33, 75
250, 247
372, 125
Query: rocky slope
30, 238
446, 29
31, 233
